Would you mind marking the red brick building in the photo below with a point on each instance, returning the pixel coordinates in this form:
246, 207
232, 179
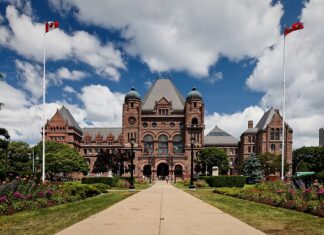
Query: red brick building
266, 136
161, 124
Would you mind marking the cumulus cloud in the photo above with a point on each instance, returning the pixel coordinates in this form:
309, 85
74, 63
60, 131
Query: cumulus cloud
185, 35
236, 123
104, 107
103, 57
31, 76
69, 89
304, 75
23, 119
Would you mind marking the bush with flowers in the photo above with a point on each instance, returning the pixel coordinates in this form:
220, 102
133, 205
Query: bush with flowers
281, 194
25, 193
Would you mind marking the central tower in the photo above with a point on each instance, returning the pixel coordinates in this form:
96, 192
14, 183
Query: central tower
162, 125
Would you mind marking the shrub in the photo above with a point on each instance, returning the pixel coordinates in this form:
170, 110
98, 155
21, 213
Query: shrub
234, 192
18, 205
112, 182
3, 208
102, 187
200, 183
122, 183
224, 181
80, 190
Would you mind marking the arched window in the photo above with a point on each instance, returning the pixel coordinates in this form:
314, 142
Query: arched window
163, 144
272, 148
272, 133
277, 134
177, 144
148, 144
194, 122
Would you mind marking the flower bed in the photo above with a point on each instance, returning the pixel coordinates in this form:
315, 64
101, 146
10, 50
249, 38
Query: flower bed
281, 194
23, 194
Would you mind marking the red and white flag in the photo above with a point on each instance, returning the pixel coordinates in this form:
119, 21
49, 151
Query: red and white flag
50, 25
294, 27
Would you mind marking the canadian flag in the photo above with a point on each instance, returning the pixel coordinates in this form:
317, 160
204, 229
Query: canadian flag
50, 25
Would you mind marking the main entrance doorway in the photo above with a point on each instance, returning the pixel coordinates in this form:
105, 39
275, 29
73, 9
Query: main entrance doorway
162, 170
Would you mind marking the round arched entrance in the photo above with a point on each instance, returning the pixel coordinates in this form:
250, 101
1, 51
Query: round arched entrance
162, 170
147, 170
178, 171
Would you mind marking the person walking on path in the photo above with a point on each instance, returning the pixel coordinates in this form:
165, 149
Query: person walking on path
167, 179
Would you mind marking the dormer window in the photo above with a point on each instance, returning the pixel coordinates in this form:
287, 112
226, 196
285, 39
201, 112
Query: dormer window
163, 112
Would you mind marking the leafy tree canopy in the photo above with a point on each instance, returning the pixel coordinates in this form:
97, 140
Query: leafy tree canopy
213, 157
60, 158
271, 163
308, 159
19, 158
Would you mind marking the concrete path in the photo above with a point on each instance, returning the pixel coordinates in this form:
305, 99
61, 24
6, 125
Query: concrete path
161, 210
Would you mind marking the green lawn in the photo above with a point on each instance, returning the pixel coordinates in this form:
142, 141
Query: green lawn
268, 219
53, 219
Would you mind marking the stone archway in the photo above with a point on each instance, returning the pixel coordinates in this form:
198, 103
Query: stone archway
162, 170
178, 171
147, 170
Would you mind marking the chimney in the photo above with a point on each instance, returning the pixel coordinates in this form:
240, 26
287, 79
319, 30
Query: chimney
250, 124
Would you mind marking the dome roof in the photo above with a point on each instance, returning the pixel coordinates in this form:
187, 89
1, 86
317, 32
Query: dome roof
132, 94
194, 94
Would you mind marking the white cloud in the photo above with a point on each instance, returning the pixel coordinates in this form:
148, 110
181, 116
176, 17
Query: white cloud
215, 78
185, 35
31, 74
69, 89
236, 123
11, 97
148, 84
104, 58
304, 75
103, 107
23, 119
64, 73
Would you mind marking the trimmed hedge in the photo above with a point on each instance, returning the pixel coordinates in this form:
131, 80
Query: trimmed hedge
224, 180
111, 181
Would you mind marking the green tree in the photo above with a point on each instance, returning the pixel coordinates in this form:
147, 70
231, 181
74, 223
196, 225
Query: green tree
271, 163
19, 158
308, 159
109, 161
61, 159
252, 168
213, 157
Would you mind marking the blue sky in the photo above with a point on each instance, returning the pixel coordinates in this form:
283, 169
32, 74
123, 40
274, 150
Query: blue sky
229, 50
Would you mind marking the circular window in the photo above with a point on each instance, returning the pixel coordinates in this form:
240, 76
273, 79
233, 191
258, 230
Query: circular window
131, 120
154, 124
145, 124
172, 124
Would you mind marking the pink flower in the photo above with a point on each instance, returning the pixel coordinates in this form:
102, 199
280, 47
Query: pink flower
41, 194
320, 191
3, 199
17, 195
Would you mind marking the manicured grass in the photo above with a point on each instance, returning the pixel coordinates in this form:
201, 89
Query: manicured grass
271, 220
53, 219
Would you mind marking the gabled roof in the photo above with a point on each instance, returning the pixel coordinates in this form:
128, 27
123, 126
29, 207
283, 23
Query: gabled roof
218, 136
266, 119
66, 115
163, 88
104, 131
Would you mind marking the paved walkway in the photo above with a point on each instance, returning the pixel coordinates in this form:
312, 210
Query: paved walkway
161, 210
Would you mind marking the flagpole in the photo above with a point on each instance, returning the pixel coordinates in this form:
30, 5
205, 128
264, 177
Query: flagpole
283, 112
44, 88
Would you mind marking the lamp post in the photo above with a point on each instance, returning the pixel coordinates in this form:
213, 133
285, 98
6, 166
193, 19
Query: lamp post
131, 186
152, 168
192, 141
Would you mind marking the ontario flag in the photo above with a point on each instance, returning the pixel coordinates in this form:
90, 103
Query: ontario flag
293, 27
50, 25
